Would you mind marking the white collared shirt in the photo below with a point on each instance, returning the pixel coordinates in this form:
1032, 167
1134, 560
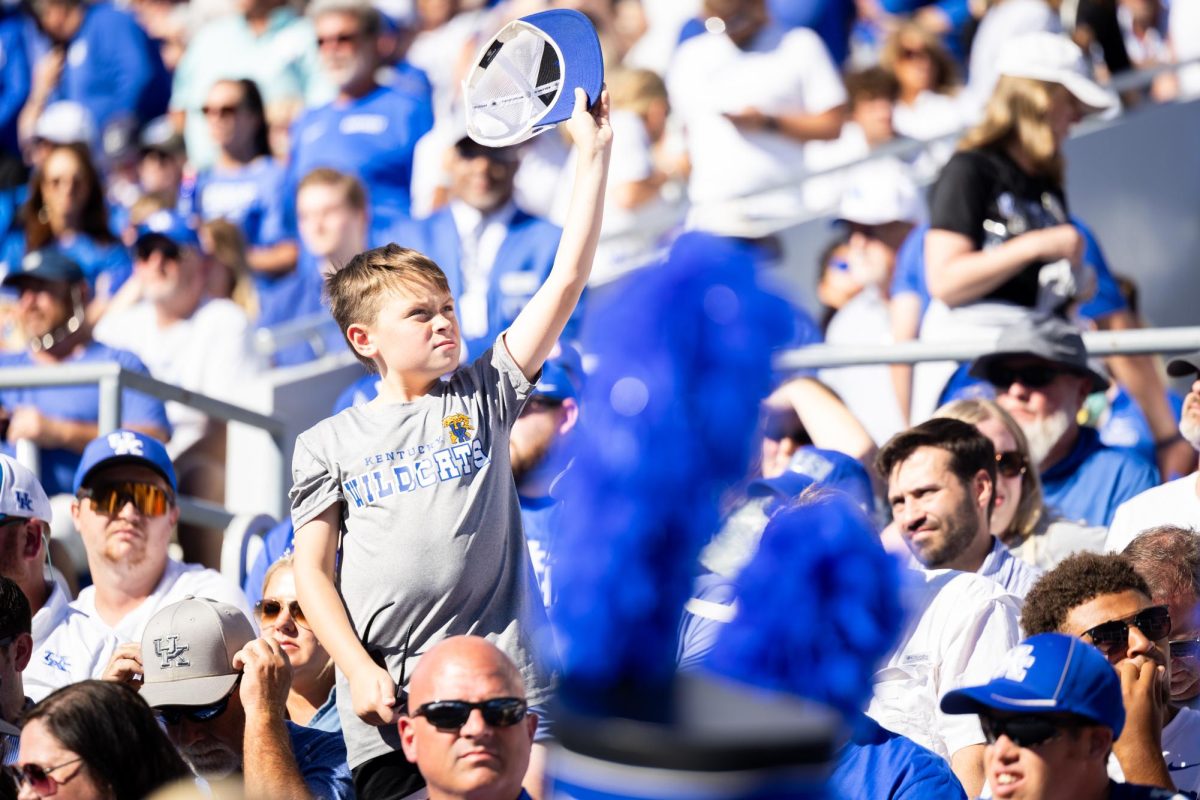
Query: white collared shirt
68, 647
480, 237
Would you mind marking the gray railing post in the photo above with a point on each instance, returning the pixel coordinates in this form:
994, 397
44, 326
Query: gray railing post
110, 402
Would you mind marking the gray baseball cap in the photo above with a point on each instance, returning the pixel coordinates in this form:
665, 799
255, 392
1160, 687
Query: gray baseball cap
1049, 338
188, 649
1188, 364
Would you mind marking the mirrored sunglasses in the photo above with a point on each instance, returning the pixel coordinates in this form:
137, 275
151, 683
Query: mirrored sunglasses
110, 498
269, 609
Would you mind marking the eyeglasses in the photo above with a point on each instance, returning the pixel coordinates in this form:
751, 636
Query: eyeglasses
224, 112
110, 498
1153, 622
1185, 648
1032, 376
1011, 464
1022, 731
340, 39
269, 610
913, 53
539, 403
173, 715
450, 715
150, 243
39, 776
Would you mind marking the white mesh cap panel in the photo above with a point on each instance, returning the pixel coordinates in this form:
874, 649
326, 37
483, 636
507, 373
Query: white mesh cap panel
515, 82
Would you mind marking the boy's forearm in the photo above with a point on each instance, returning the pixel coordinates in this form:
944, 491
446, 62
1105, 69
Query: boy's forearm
325, 612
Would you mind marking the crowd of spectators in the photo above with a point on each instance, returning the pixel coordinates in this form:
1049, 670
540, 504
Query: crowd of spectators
175, 176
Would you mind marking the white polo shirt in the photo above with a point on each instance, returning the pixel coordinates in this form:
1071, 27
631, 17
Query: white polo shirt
960, 626
1174, 503
68, 647
178, 581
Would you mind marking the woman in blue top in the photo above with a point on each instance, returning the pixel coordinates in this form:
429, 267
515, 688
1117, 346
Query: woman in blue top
244, 185
66, 210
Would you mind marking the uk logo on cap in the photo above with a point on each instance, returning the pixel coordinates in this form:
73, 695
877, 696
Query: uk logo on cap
125, 443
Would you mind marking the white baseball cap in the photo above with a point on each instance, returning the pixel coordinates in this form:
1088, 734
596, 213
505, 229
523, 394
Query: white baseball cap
1054, 58
21, 493
65, 122
879, 192
187, 652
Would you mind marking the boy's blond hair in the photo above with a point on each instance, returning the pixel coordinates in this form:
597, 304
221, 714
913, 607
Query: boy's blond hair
356, 291
636, 89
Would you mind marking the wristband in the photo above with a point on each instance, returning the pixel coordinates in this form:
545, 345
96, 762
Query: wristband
1170, 440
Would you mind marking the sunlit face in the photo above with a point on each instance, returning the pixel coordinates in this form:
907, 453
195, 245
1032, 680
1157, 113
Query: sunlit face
481, 177
307, 656
1185, 659
938, 515
128, 539
65, 187
1064, 112
1008, 490
914, 68
1044, 412
1056, 768
540, 425
874, 116
328, 223
213, 748
71, 781
415, 333
230, 123
1189, 421
1122, 605
43, 306
347, 53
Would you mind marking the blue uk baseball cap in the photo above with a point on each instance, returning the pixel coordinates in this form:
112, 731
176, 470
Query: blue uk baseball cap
47, 264
814, 466
523, 81
171, 225
562, 374
124, 447
1050, 673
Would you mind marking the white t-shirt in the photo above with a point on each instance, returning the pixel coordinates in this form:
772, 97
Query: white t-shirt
1181, 32
1003, 22
930, 116
209, 353
1181, 751
178, 582
68, 647
1173, 503
960, 626
781, 72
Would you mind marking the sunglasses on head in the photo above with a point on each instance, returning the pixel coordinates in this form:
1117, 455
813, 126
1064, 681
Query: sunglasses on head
1021, 731
270, 608
1153, 622
38, 776
1185, 648
1011, 464
173, 715
450, 715
1031, 376
110, 498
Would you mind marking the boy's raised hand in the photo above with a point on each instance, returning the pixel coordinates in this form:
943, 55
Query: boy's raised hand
373, 695
589, 128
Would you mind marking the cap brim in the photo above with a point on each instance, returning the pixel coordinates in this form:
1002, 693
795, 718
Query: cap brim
188, 692
1184, 365
583, 61
999, 695
1088, 92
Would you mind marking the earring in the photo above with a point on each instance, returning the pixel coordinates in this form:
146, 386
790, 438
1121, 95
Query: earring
43, 215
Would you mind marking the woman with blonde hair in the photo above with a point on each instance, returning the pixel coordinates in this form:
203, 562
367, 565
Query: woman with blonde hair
1001, 249
926, 107
1020, 519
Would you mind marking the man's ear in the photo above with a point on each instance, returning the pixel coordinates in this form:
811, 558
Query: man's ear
531, 721
983, 490
362, 339
1100, 742
568, 416
36, 532
22, 651
408, 737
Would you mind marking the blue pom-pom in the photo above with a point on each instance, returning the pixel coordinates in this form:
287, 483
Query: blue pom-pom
818, 606
683, 360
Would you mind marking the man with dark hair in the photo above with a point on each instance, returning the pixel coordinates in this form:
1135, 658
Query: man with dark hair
1169, 559
1104, 601
941, 479
16, 647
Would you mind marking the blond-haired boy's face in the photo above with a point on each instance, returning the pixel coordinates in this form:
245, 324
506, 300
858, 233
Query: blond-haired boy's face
414, 335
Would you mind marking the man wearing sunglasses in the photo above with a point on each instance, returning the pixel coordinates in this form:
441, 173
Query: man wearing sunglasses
1050, 717
467, 727
1102, 600
1042, 377
941, 478
222, 695
125, 510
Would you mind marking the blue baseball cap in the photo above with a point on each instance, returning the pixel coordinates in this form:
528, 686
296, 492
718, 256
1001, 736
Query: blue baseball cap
1050, 673
814, 466
524, 79
125, 447
562, 374
171, 225
47, 264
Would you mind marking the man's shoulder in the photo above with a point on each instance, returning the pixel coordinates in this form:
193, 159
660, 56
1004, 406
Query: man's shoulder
99, 351
199, 581
947, 600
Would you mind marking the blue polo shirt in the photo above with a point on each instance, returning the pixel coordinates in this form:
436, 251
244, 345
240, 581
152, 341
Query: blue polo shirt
250, 196
371, 137
321, 756
113, 69
1093, 480
882, 765
78, 404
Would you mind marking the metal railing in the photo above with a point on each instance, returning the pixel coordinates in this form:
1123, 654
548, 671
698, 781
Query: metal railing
111, 379
1098, 343
313, 329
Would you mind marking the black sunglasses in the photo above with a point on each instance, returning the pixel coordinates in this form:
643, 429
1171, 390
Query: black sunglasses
1153, 622
173, 715
150, 243
1022, 731
1032, 376
450, 715
1011, 465
1185, 648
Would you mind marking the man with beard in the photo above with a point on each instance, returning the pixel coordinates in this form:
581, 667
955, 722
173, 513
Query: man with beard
1176, 502
941, 478
1041, 375
125, 512
534, 448
223, 696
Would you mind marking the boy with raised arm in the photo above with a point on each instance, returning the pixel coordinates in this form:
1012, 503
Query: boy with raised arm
416, 484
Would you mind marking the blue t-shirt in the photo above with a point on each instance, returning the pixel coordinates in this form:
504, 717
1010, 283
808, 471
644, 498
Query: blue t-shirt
106, 266
541, 517
14, 77
78, 404
250, 196
275, 542
113, 69
1126, 425
698, 632
1093, 480
321, 756
882, 765
371, 137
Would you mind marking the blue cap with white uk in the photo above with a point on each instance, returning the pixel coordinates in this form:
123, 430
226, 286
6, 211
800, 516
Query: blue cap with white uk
1050, 673
171, 225
524, 79
562, 374
124, 446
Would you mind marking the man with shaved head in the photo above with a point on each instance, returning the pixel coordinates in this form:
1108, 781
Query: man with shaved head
468, 729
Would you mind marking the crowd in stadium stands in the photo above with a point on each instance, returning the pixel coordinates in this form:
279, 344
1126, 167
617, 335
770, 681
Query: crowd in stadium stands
178, 175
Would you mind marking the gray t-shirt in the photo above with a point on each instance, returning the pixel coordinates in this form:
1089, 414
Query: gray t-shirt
431, 541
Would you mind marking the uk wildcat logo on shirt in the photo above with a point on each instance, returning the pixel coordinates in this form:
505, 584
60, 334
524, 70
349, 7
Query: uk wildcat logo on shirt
459, 427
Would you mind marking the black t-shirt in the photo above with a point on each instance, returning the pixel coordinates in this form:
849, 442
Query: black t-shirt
986, 197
